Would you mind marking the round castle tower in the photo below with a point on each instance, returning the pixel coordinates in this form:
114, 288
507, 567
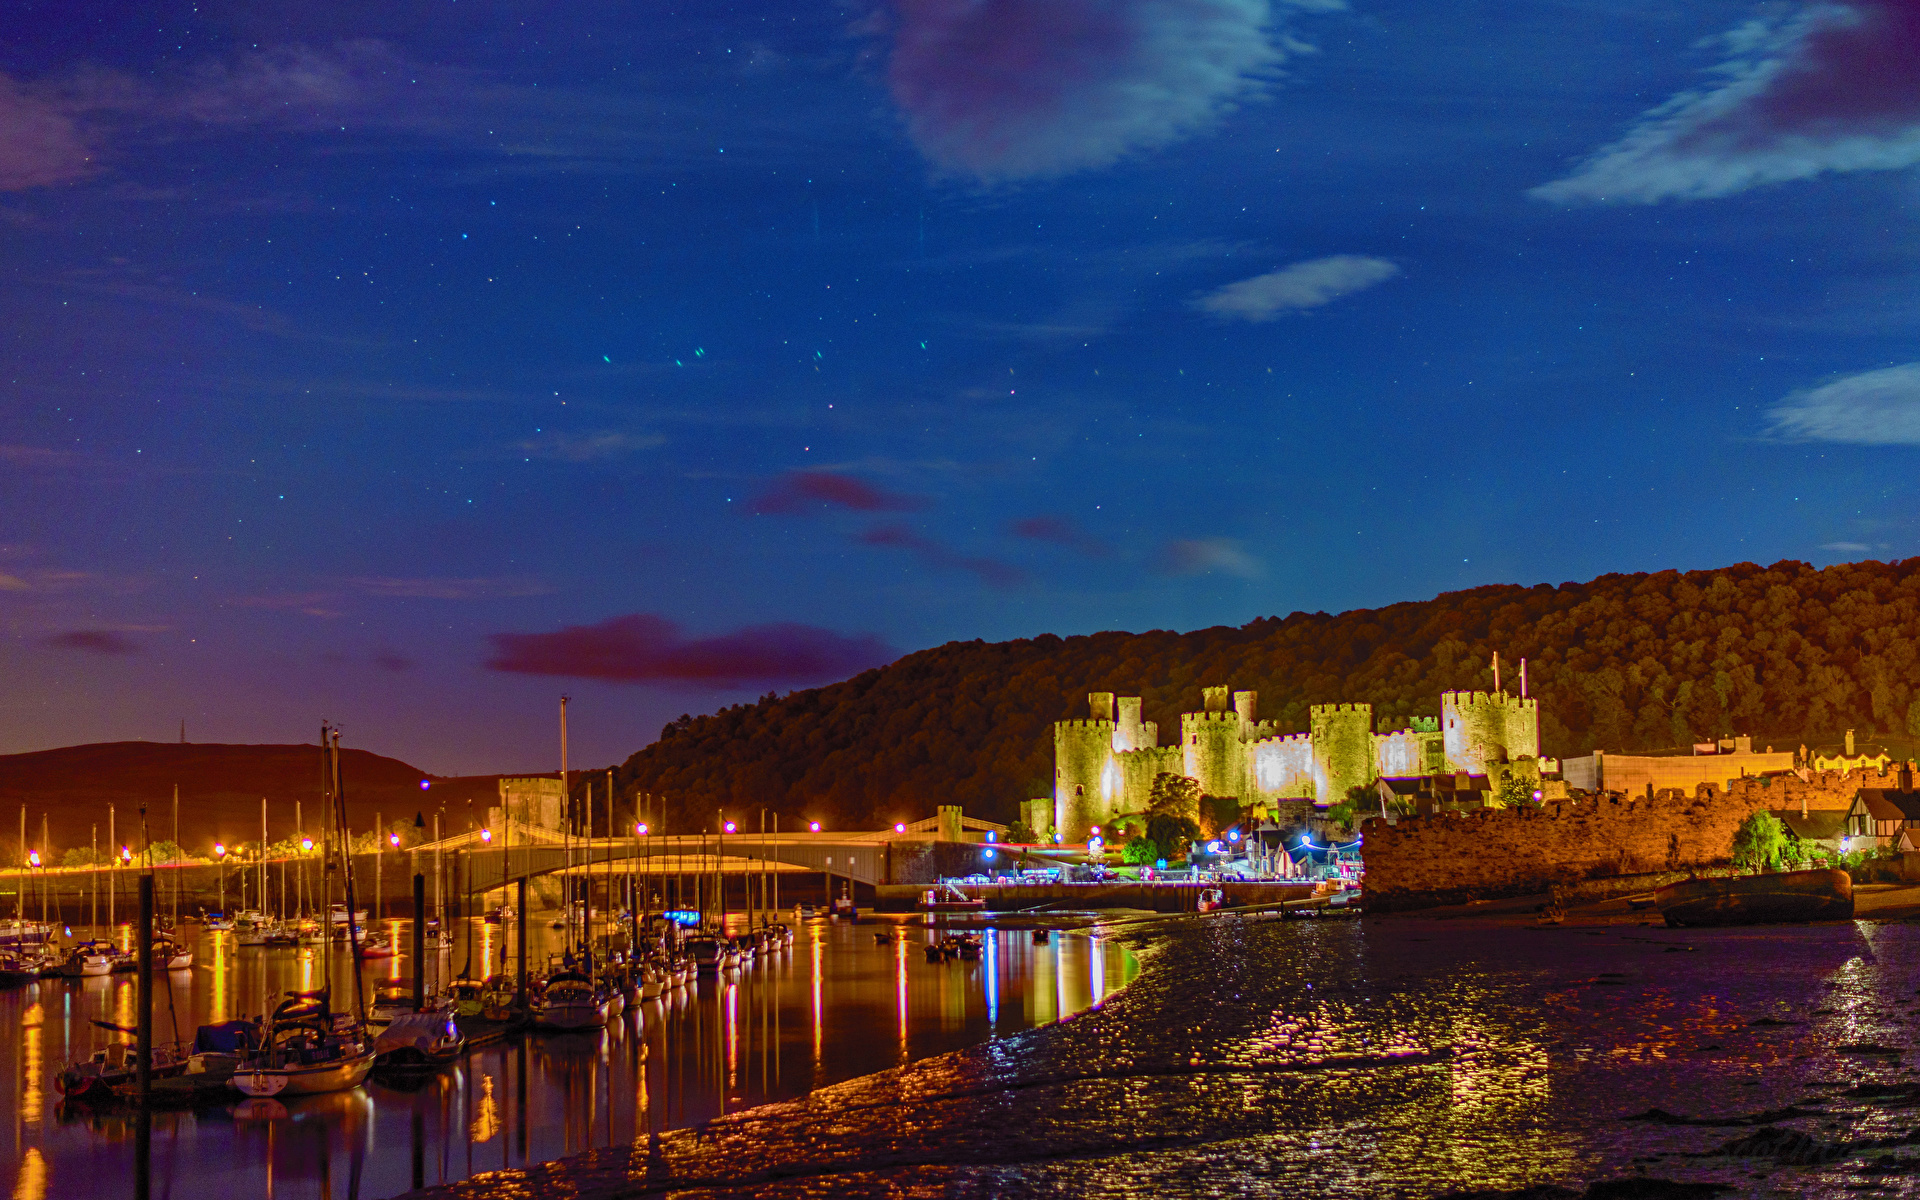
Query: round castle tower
1082, 751
1343, 756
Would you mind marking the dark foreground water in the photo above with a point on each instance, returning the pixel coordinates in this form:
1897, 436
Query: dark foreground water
834, 1007
1375, 1057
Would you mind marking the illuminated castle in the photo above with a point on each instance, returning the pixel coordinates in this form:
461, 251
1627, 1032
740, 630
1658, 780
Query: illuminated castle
1104, 766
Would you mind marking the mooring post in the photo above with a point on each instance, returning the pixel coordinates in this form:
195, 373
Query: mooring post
143, 1020
520, 915
419, 942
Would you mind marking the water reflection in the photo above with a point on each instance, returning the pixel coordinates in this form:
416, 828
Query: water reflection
795, 1021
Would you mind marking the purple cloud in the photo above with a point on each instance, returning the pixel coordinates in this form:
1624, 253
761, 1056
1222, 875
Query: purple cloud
1006, 89
94, 641
899, 537
40, 143
1060, 532
647, 648
392, 660
1205, 556
801, 493
1829, 87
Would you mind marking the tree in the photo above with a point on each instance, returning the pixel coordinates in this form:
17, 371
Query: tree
1021, 833
1760, 843
1140, 852
1174, 795
1172, 834
1218, 814
80, 856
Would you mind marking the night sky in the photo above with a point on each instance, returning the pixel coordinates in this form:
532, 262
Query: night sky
410, 364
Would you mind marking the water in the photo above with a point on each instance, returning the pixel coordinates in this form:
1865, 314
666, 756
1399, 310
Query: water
834, 1007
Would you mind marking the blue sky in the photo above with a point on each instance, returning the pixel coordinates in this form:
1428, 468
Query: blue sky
412, 364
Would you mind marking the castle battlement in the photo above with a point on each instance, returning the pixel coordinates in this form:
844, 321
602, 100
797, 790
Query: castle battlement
1317, 709
1217, 718
1478, 699
1083, 723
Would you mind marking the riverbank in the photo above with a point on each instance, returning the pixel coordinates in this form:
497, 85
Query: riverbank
1256, 1056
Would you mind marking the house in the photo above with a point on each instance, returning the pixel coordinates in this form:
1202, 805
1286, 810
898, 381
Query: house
1819, 831
1878, 816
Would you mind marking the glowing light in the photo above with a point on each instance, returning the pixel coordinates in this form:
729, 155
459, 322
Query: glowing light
33, 857
306, 843
393, 839
990, 835
899, 828
641, 829
1213, 847
1233, 835
486, 835
729, 826
219, 850
1096, 831
813, 827
425, 784
126, 854
988, 853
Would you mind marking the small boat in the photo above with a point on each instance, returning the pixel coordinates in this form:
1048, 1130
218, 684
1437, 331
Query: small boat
392, 999
710, 954
570, 1003
807, 913
936, 953
338, 914
21, 966
18, 934
308, 1050
1042, 936
418, 1042
86, 960
218, 1049
1211, 900
968, 945
883, 938
376, 946
170, 955
93, 1078
499, 999
216, 922
498, 915
1776, 897
467, 997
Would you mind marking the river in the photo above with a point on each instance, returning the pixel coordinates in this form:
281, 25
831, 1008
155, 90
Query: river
836, 1006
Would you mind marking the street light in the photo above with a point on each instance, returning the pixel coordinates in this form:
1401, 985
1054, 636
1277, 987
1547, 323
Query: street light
220, 853
640, 830
306, 845
813, 827
729, 826
126, 855
899, 827
393, 839
486, 835
33, 858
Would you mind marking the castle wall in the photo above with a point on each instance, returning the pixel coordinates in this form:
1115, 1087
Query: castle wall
1343, 756
1130, 732
1405, 754
1283, 767
1454, 857
1137, 769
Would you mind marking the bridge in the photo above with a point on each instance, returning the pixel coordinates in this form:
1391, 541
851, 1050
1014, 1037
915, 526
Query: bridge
485, 862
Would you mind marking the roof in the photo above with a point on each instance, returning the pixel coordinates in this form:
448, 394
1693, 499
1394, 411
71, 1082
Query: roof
1819, 825
1890, 804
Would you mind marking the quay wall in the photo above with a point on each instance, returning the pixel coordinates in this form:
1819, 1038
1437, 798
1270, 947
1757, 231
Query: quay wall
1491, 853
1071, 897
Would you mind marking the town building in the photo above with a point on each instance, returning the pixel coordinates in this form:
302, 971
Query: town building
1717, 763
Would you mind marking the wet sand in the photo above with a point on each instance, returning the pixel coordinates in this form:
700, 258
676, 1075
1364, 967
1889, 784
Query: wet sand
1402, 1056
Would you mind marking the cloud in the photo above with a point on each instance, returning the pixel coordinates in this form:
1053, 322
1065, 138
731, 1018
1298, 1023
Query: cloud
988, 570
1847, 547
1873, 408
1060, 532
32, 457
646, 648
1011, 89
1204, 556
449, 589
40, 144
391, 660
1295, 288
313, 604
1828, 87
94, 641
801, 493
588, 447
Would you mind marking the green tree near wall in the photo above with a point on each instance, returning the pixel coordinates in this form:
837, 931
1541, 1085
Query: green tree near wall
1174, 795
1760, 843
1140, 851
1173, 835
1218, 814
1021, 833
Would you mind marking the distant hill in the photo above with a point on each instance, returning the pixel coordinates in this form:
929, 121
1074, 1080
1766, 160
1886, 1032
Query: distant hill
220, 791
1788, 653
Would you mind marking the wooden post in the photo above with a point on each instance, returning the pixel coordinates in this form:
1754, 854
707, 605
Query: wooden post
419, 941
520, 915
143, 1016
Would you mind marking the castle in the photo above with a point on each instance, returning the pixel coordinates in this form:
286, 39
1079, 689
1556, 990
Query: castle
1104, 766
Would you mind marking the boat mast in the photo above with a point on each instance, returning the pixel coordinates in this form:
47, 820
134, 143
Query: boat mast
326, 866
566, 823
173, 918
346, 854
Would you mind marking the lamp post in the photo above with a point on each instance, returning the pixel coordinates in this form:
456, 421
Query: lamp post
220, 856
33, 860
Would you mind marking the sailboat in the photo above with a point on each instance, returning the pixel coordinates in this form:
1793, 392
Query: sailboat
309, 1049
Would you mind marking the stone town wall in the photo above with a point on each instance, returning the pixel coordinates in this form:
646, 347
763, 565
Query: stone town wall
1482, 854
1822, 790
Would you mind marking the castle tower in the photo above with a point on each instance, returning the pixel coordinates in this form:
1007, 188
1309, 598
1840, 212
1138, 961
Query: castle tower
1083, 773
1129, 732
1212, 751
1343, 756
1245, 704
1483, 728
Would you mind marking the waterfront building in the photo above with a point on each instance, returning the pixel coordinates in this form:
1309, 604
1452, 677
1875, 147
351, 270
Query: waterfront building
1105, 764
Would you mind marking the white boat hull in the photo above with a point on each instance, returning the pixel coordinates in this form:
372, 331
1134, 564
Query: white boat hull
304, 1080
572, 1018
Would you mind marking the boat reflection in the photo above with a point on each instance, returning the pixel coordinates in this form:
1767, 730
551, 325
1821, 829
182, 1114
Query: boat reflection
797, 1019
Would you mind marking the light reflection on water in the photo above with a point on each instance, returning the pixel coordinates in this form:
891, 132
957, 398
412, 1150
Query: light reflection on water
798, 1020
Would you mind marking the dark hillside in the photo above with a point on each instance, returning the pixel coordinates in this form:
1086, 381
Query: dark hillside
1625, 662
220, 791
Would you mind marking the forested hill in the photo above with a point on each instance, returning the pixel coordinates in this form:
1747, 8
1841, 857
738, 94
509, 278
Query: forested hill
1788, 653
